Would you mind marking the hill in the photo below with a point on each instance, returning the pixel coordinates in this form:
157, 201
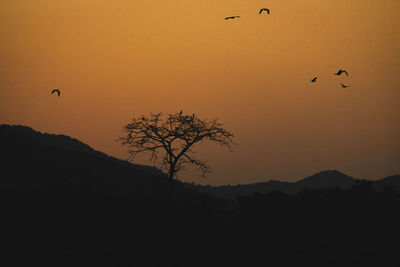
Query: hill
390, 181
322, 180
32, 159
65, 203
35, 159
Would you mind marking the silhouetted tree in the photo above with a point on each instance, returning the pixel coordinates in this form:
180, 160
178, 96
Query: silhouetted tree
173, 135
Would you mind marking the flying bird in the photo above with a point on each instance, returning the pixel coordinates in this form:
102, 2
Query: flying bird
56, 91
340, 72
314, 79
263, 9
232, 17
344, 86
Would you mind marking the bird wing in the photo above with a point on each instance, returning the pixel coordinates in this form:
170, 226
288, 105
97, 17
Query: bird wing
345, 72
261, 10
267, 10
55, 91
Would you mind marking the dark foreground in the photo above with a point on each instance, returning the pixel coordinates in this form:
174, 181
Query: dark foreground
65, 204
58, 225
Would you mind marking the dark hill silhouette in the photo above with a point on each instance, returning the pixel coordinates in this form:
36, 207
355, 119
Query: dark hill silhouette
63, 202
322, 180
27, 135
325, 179
390, 181
34, 159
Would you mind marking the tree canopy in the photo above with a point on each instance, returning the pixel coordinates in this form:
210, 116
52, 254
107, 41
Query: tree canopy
169, 139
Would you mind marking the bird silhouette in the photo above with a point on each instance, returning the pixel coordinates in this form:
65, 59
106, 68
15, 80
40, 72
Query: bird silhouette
180, 113
56, 91
314, 79
263, 9
232, 17
344, 86
340, 72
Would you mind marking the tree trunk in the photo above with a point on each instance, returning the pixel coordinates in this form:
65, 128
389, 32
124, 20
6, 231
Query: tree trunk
171, 183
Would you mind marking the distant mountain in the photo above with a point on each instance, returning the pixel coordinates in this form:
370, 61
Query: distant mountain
390, 181
321, 180
325, 179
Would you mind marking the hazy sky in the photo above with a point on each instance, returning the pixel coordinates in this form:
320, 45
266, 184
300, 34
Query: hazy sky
114, 60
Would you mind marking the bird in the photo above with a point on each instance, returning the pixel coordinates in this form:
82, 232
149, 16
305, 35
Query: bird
314, 79
180, 113
56, 91
263, 9
344, 86
232, 17
340, 72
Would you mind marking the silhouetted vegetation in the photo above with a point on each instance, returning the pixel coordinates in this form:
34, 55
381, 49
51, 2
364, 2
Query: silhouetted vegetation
174, 137
71, 207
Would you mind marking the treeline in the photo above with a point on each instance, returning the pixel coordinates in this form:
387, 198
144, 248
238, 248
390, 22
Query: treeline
357, 225
63, 225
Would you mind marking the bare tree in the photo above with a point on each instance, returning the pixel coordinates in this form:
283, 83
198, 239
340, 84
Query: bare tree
169, 140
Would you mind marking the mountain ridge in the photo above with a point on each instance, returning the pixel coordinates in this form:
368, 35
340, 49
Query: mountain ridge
322, 180
65, 142
34, 159
94, 167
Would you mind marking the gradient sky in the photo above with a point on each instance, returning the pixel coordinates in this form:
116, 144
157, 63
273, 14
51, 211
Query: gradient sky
114, 60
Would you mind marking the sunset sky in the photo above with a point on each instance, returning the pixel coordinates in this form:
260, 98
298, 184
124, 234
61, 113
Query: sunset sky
114, 60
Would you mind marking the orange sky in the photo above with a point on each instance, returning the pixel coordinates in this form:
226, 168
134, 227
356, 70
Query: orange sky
114, 60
